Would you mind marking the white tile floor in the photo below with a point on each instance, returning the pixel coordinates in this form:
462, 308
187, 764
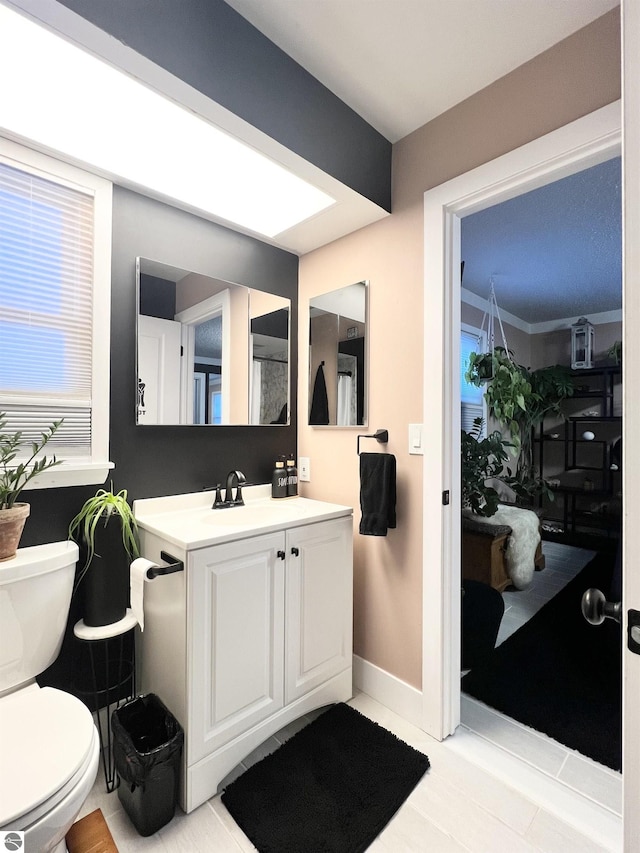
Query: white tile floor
494, 787
458, 806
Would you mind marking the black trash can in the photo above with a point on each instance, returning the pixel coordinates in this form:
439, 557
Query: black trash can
147, 745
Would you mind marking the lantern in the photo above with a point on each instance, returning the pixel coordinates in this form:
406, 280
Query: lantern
582, 342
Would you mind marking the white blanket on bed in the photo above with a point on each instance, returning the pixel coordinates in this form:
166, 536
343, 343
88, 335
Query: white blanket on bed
521, 544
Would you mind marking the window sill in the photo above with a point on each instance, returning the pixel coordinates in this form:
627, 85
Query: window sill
71, 473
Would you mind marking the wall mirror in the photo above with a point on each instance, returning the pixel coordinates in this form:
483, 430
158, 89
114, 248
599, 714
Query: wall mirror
338, 357
209, 352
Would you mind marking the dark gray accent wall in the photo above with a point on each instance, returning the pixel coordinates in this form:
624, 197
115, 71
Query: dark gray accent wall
209, 45
162, 460
196, 456
157, 297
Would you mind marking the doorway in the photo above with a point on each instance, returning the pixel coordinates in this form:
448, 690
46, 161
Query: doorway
583, 143
559, 676
570, 149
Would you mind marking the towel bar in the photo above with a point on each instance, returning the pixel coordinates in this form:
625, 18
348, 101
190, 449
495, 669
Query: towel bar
380, 435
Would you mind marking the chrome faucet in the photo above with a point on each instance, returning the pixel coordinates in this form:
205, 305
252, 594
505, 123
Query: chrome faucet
235, 480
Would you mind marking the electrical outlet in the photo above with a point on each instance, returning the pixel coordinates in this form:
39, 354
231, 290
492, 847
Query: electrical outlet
304, 469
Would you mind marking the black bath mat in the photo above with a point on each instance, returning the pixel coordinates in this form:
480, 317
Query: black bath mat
332, 788
560, 675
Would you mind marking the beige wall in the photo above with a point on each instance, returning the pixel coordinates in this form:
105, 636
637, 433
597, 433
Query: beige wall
519, 342
545, 348
555, 347
570, 80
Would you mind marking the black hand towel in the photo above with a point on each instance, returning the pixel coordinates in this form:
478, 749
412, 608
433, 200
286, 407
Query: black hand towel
319, 413
377, 493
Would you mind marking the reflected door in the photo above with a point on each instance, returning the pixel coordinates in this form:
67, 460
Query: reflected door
158, 371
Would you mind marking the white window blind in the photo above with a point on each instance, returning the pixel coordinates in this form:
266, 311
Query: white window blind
471, 397
47, 234
55, 298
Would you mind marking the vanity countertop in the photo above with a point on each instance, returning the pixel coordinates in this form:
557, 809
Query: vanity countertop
189, 522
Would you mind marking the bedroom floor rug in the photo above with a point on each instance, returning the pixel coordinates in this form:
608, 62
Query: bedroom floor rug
331, 788
560, 675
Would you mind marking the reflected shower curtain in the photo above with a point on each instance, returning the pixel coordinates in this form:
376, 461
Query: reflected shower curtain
256, 391
344, 400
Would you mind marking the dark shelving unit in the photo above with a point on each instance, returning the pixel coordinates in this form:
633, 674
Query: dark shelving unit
585, 472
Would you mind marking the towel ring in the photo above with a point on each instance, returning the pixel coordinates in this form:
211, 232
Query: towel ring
380, 435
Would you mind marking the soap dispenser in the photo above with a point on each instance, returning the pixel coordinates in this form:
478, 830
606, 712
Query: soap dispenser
279, 480
292, 477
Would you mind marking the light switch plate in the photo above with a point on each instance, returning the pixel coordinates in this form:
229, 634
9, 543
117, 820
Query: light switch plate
304, 469
415, 440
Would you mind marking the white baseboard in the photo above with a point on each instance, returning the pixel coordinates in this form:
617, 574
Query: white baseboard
390, 691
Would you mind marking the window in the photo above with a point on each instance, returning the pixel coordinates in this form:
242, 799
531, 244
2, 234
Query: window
471, 397
55, 277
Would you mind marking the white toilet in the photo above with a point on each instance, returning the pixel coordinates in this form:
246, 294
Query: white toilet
49, 746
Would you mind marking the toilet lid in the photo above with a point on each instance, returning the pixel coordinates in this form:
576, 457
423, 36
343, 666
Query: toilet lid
45, 735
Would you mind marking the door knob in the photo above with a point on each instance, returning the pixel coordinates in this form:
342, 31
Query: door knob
596, 608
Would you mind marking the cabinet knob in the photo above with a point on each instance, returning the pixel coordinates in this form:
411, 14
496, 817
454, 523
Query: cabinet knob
282, 555
295, 551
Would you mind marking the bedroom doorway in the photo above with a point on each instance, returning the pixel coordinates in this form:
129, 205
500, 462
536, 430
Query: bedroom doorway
568, 231
585, 142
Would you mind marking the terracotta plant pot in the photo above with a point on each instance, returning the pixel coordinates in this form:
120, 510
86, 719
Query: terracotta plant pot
12, 523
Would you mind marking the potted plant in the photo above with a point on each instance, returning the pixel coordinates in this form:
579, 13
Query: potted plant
19, 464
519, 398
482, 459
107, 533
615, 352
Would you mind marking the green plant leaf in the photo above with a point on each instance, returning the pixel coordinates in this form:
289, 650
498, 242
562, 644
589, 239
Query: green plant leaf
107, 507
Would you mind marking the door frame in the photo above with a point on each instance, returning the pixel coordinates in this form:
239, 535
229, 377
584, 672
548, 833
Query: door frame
218, 305
583, 143
631, 414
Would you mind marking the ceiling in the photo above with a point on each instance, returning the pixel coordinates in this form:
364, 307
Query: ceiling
400, 63
555, 252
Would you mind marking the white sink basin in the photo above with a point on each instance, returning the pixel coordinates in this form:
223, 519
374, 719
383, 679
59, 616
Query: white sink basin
251, 515
189, 522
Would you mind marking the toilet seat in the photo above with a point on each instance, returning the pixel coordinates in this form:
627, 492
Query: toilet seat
46, 742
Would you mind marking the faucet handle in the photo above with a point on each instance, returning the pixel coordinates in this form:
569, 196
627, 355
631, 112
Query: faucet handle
218, 502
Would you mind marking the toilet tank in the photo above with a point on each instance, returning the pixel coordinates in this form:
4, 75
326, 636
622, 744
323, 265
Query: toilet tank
35, 594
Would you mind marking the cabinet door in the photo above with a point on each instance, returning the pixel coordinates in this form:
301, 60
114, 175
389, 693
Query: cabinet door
236, 639
319, 604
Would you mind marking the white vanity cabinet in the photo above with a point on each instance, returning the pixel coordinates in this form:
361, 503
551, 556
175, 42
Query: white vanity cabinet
256, 632
319, 605
235, 633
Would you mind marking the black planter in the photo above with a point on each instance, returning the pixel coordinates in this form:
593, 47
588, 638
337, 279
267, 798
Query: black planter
106, 582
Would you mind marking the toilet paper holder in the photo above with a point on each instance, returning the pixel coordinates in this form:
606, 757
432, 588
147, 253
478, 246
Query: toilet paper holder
173, 565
